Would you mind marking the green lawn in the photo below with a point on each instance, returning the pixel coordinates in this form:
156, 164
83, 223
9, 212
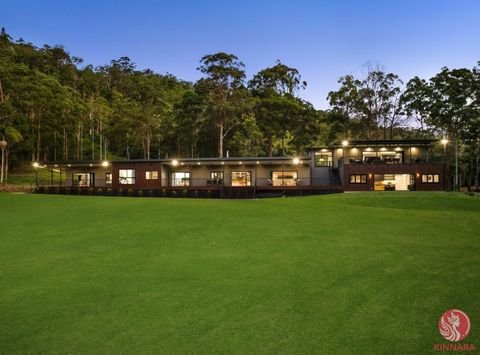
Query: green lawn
349, 273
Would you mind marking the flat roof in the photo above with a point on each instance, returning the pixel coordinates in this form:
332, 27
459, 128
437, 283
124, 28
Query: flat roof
213, 161
382, 143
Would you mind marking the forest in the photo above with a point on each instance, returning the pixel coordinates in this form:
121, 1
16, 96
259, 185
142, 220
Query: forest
55, 107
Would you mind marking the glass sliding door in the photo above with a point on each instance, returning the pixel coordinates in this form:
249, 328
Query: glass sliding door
241, 178
284, 178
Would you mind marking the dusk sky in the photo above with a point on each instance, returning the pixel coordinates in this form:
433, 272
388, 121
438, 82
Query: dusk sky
322, 39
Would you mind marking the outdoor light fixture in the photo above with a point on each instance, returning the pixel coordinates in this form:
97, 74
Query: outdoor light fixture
91, 164
35, 165
239, 163
296, 161
258, 162
444, 141
344, 143
175, 162
383, 149
105, 163
323, 150
369, 176
223, 163
198, 163
398, 149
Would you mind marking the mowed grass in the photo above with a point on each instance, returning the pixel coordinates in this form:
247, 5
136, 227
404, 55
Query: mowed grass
350, 273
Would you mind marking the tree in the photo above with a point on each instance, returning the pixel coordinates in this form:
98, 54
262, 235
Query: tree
7, 133
448, 103
276, 106
374, 102
224, 75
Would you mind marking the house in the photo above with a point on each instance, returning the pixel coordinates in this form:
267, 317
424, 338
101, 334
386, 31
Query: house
394, 165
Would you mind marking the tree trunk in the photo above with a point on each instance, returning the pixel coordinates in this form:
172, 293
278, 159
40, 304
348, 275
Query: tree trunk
39, 138
270, 147
1, 168
6, 164
220, 140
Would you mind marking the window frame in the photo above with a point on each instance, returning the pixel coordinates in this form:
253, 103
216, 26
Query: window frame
129, 180
249, 180
329, 163
425, 178
186, 180
147, 172
358, 179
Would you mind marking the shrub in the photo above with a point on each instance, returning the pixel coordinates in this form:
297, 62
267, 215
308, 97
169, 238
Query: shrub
150, 193
140, 193
164, 192
184, 193
174, 194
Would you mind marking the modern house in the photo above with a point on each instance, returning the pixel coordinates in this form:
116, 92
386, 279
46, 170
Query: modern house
349, 166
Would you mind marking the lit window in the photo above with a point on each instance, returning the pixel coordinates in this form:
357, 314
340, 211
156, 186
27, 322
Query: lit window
180, 178
323, 159
108, 178
284, 178
358, 179
216, 177
151, 175
126, 176
430, 178
241, 178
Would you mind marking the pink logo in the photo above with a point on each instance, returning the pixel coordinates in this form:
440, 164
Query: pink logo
454, 325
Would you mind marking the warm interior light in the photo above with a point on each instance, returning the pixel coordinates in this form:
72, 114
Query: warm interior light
105, 163
398, 149
383, 149
296, 161
323, 150
175, 162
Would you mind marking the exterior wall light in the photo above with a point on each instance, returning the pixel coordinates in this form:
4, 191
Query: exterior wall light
444, 141
258, 162
104, 164
35, 165
175, 162
344, 143
296, 161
